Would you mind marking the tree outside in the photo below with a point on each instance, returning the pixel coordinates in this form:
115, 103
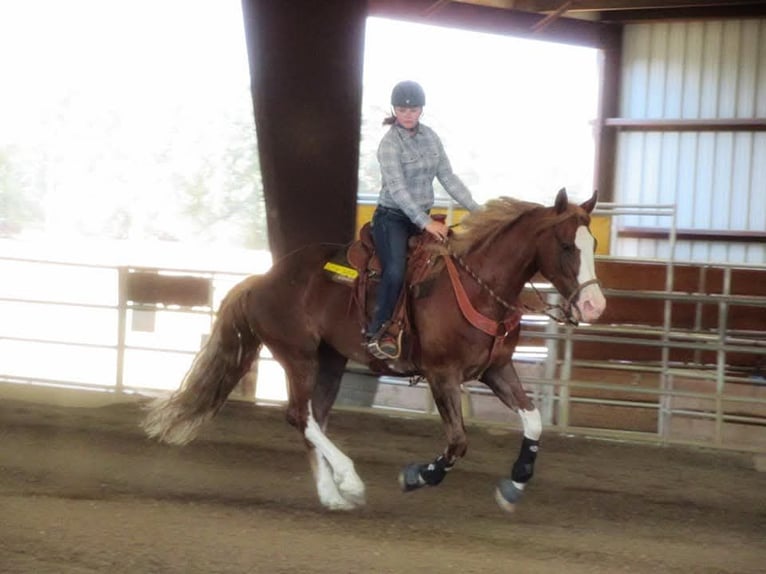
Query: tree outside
155, 141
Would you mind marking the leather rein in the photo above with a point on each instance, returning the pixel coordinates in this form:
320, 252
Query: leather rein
499, 330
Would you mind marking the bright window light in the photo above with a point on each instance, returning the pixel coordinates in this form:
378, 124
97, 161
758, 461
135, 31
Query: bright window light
515, 115
127, 137
128, 121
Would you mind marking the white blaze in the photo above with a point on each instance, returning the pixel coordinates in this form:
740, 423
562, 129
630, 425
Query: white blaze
591, 302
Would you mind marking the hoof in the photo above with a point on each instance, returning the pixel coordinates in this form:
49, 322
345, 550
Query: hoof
351, 488
339, 505
507, 495
410, 479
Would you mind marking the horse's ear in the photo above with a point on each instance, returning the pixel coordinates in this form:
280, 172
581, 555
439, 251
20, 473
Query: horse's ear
591, 203
561, 200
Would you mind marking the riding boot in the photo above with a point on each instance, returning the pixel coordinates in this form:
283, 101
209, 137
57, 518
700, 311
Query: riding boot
383, 345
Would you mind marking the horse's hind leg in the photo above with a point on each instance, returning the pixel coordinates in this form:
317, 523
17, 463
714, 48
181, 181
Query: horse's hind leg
336, 476
338, 485
331, 367
505, 383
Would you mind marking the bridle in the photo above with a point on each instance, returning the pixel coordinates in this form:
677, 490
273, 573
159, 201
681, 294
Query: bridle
564, 313
501, 329
570, 302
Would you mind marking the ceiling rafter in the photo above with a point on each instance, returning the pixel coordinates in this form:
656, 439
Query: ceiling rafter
630, 10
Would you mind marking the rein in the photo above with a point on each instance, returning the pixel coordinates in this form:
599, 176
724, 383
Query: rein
565, 310
545, 308
499, 330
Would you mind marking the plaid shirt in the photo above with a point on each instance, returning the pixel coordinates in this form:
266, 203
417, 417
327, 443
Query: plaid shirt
408, 164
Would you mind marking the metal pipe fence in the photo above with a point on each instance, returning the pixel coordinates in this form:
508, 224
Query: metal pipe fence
703, 404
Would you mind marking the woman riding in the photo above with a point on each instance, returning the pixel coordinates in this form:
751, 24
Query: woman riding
410, 156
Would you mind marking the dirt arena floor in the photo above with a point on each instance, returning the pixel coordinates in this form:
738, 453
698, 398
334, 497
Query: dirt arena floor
82, 491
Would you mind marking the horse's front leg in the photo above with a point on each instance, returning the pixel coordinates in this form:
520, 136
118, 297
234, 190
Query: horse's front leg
446, 394
505, 383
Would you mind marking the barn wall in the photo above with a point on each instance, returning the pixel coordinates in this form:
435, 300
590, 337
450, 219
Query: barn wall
690, 71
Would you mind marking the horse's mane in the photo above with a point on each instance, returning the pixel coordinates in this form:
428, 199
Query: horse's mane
483, 225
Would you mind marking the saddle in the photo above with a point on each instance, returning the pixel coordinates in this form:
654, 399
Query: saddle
364, 271
361, 253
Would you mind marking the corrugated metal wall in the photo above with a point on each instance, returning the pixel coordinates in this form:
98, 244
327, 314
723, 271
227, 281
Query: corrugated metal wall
695, 70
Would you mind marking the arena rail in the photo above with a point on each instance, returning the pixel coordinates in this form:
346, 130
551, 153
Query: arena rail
665, 398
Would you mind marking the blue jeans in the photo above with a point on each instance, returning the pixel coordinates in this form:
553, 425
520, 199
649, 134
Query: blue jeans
391, 230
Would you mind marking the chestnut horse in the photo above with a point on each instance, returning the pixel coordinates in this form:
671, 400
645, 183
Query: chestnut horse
464, 327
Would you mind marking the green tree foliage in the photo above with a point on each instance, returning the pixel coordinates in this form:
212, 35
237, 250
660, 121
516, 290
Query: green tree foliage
223, 196
19, 196
372, 131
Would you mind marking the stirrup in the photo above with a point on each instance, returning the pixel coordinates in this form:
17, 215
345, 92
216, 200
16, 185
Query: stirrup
385, 346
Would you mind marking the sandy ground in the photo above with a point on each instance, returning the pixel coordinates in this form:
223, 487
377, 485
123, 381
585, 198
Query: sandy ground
83, 491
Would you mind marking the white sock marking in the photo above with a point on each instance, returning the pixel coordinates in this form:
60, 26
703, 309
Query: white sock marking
533, 423
327, 490
341, 466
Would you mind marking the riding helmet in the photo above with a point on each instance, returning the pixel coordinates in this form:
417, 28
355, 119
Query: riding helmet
408, 94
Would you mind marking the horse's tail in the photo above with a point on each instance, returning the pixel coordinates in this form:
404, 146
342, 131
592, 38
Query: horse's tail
216, 370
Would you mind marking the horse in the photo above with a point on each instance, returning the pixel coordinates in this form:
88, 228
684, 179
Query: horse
464, 327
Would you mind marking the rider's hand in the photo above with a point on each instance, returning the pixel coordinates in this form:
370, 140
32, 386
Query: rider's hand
437, 229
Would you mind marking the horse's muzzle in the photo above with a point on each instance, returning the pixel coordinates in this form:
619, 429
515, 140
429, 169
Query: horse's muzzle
587, 303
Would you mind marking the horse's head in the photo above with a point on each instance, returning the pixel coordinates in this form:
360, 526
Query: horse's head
565, 250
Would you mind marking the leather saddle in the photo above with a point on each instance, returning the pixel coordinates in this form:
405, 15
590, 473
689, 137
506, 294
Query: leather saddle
362, 257
361, 253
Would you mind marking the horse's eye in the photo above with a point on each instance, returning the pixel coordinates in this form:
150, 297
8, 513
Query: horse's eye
568, 247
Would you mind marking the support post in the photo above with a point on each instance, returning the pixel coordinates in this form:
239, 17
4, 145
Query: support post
608, 106
306, 81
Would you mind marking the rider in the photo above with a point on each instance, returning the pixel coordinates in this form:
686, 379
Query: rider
410, 156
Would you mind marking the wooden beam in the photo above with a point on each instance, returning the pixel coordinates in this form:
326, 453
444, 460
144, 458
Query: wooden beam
494, 21
306, 72
687, 13
689, 125
693, 234
628, 5
624, 11
608, 106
